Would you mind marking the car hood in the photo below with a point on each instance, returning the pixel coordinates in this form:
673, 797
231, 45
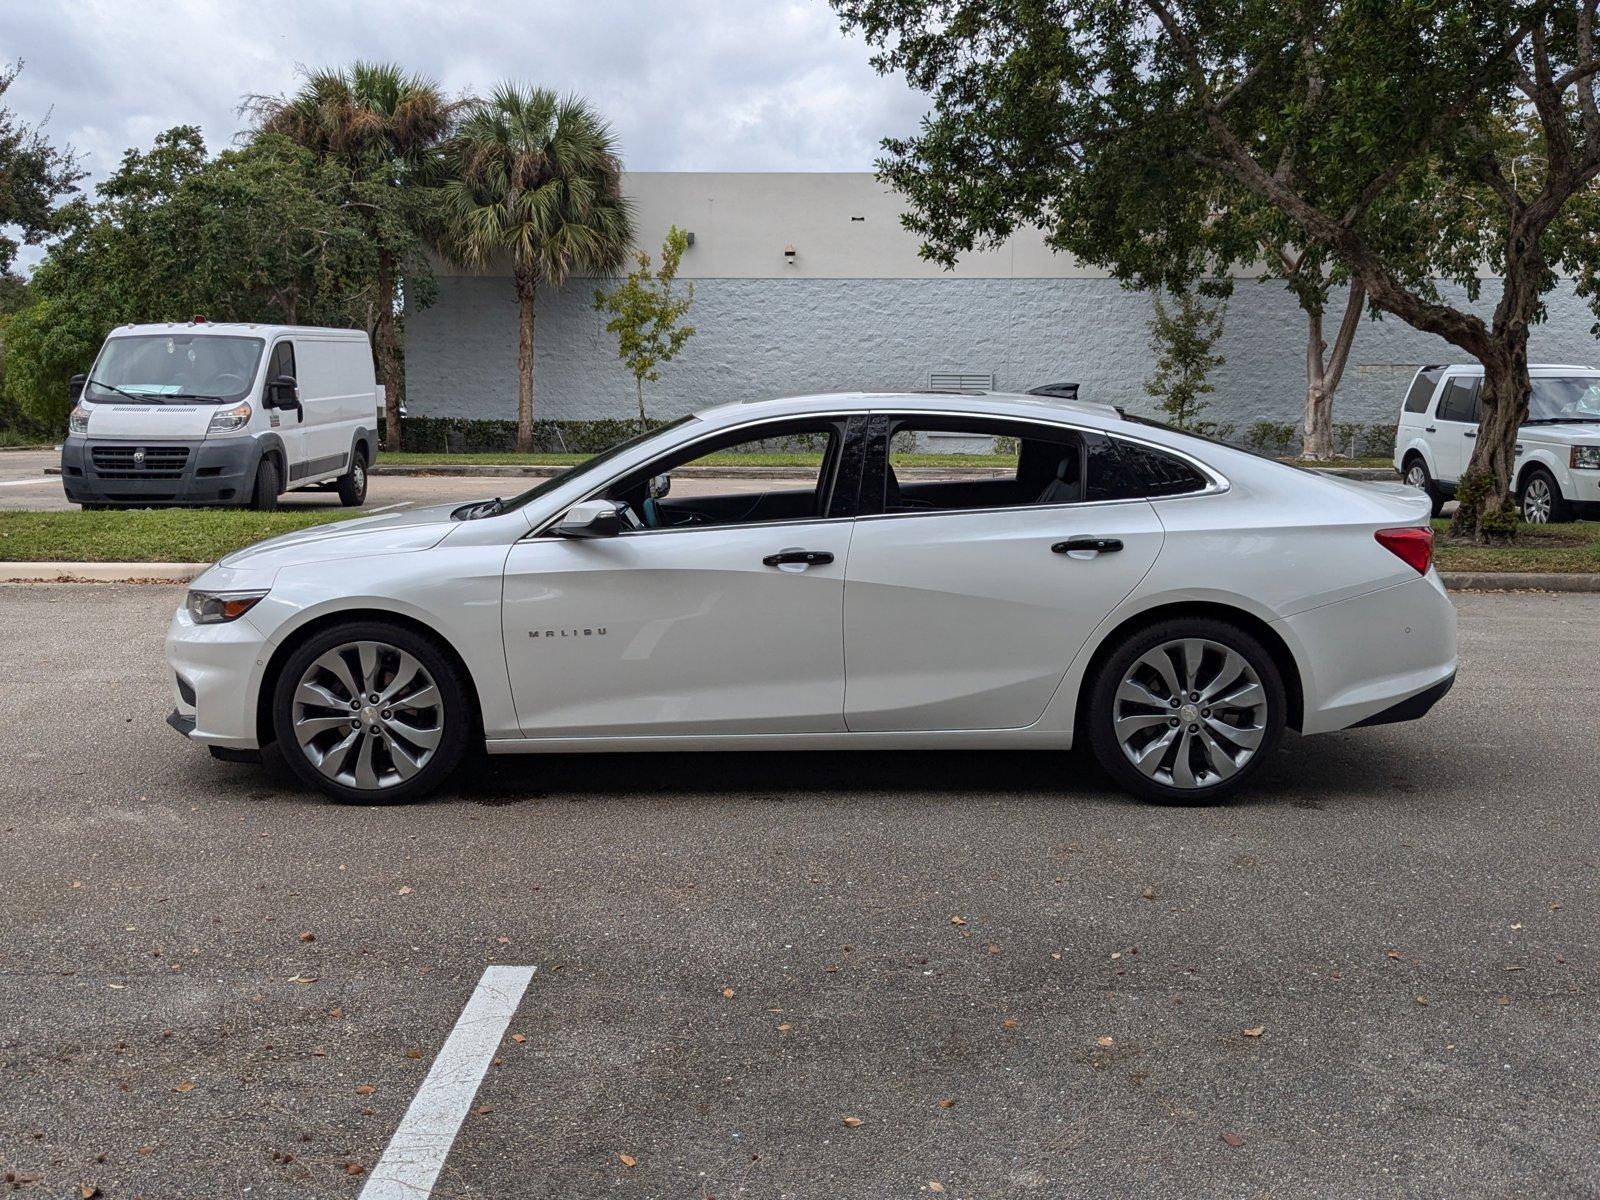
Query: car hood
1577, 431
150, 422
390, 533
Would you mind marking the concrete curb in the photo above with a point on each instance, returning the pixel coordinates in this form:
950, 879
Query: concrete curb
95, 572
1520, 581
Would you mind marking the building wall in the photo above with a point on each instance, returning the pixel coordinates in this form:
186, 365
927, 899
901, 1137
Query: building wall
858, 309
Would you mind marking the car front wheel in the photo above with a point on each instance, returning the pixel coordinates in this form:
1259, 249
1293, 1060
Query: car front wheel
1185, 711
372, 713
1541, 501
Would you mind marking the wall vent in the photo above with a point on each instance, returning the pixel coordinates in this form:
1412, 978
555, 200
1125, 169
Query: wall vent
960, 381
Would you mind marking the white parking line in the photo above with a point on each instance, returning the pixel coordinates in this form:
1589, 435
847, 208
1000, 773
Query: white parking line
416, 1153
55, 479
387, 507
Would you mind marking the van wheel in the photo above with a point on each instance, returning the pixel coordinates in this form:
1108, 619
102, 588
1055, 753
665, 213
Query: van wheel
265, 497
352, 484
1417, 476
1540, 500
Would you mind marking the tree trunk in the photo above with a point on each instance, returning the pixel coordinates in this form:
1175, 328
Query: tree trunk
388, 356
527, 295
1323, 375
638, 383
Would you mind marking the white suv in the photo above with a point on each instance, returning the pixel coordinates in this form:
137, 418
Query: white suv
1558, 450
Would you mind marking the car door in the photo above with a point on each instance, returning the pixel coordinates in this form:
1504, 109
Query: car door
1455, 426
966, 599
288, 424
721, 616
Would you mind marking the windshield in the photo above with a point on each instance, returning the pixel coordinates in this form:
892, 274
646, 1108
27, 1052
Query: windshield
555, 481
1571, 398
174, 367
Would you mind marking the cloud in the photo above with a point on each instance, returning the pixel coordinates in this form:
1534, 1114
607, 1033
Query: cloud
756, 85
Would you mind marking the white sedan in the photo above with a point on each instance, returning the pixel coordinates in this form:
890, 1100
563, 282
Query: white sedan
1173, 602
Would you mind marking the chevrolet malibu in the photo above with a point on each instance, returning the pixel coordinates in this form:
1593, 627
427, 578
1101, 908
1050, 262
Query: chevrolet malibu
1171, 602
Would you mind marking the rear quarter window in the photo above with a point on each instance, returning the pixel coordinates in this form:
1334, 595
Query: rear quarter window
1119, 470
1422, 388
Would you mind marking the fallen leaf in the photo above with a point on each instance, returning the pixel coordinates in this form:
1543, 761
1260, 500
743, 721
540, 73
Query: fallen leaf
1105, 1041
1392, 954
365, 1089
302, 979
852, 1122
87, 1191
308, 936
483, 1110
1148, 894
785, 1027
1055, 955
504, 941
627, 1160
1255, 1031
993, 949
1518, 925
354, 1168
948, 1102
957, 921
413, 1052
117, 987
727, 993
1008, 1023
935, 1186
336, 1013
78, 883
405, 891
1233, 1139
185, 1086
1423, 1000
147, 1149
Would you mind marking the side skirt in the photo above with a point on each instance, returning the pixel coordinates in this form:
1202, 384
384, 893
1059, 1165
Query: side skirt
934, 739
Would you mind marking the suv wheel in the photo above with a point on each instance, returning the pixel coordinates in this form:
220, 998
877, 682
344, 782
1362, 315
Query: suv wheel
371, 713
352, 484
1416, 475
1540, 499
1185, 712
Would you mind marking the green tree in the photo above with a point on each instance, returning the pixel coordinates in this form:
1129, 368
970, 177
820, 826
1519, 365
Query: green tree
256, 234
383, 128
1184, 338
535, 177
645, 314
34, 177
1381, 134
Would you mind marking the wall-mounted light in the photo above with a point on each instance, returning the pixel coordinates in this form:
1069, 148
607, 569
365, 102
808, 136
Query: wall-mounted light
788, 254
688, 238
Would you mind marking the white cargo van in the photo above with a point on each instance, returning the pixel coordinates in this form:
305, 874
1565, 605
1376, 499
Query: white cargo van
202, 413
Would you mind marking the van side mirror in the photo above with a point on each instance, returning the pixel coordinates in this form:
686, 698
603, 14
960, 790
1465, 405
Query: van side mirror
590, 519
283, 392
75, 387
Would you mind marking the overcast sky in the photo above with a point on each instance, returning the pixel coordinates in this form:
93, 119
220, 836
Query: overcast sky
729, 85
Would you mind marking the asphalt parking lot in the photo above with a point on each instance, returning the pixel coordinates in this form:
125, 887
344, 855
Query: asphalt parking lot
1376, 977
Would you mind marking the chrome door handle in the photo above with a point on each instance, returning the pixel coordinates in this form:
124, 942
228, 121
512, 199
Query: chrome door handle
802, 558
1103, 544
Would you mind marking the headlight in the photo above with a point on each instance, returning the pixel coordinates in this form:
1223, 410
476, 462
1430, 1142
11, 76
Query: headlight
230, 420
78, 421
217, 608
1586, 457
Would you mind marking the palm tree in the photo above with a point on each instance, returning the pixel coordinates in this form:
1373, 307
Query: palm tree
535, 176
383, 128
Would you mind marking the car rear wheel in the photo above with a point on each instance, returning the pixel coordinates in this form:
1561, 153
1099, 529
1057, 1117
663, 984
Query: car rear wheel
353, 483
1185, 712
1416, 475
372, 713
1540, 500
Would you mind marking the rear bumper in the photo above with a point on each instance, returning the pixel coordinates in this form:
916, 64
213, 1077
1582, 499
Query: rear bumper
164, 471
1374, 654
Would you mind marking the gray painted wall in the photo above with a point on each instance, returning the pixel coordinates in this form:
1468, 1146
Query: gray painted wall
782, 336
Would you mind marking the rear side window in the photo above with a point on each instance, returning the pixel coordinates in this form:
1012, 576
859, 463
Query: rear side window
1120, 470
1460, 400
1422, 388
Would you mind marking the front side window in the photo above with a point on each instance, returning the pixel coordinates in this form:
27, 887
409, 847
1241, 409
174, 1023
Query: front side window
790, 471
174, 367
1572, 398
282, 361
1460, 401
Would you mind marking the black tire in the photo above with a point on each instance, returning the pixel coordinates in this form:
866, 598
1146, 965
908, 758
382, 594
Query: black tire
352, 484
1417, 475
458, 716
1546, 507
268, 484
1103, 706
90, 506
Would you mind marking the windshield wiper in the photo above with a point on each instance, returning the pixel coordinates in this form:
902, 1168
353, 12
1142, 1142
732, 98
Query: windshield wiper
111, 387
190, 396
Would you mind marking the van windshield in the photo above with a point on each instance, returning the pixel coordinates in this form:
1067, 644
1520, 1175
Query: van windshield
166, 367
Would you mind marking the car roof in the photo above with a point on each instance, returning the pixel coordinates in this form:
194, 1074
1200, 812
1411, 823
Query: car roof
234, 329
998, 403
1533, 368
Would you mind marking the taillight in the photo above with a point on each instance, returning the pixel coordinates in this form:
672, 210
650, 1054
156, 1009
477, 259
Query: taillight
1412, 546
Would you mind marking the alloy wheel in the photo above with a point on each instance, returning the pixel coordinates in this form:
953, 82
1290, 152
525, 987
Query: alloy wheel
1537, 501
1417, 476
1190, 713
368, 715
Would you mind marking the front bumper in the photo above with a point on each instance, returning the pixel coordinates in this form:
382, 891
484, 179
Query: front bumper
160, 471
216, 679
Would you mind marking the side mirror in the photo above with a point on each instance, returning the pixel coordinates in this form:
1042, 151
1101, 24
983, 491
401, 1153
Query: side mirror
659, 486
283, 392
75, 387
591, 519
